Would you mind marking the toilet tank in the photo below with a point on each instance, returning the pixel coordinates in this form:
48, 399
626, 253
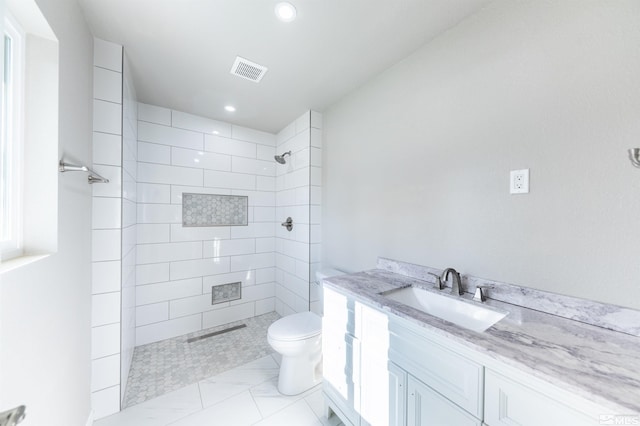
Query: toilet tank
316, 288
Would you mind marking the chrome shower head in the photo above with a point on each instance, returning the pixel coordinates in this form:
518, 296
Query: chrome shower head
280, 158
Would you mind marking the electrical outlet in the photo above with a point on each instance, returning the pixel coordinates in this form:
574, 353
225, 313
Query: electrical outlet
519, 181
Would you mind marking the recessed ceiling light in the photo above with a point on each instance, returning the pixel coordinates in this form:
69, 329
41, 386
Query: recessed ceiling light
285, 11
230, 108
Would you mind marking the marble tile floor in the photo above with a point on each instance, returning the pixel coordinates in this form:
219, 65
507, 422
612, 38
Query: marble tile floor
244, 395
161, 367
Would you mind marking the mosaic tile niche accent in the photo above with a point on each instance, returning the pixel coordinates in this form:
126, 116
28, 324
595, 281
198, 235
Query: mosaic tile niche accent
214, 210
226, 292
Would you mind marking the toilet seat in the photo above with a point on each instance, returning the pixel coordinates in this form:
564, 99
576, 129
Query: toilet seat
294, 327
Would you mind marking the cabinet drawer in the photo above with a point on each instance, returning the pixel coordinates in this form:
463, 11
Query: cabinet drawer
453, 376
428, 408
339, 312
510, 403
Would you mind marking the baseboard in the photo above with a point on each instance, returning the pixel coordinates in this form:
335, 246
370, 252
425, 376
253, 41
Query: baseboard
90, 418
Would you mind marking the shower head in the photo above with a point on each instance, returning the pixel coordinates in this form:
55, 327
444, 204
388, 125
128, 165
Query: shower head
280, 158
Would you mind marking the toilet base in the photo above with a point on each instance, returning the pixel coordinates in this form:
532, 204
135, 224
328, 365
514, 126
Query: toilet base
299, 374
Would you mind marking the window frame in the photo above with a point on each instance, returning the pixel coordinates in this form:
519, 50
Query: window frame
13, 137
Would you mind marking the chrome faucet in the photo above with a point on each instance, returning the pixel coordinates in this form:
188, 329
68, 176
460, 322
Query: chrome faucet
456, 286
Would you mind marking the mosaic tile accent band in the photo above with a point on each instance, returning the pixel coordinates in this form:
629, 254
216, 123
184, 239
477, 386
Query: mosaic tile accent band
214, 210
226, 292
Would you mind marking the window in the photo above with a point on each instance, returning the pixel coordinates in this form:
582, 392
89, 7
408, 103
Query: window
28, 135
11, 144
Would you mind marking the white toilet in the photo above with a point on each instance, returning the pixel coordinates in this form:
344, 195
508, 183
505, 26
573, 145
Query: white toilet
298, 338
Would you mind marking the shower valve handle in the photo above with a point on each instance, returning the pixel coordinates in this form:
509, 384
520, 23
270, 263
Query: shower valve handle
288, 224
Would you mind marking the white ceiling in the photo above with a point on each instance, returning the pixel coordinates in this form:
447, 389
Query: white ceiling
181, 51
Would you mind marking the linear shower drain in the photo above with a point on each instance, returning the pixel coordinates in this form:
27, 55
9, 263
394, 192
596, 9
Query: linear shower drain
215, 333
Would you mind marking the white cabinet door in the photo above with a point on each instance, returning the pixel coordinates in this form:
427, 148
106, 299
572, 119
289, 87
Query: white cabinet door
397, 395
456, 377
341, 357
426, 407
372, 326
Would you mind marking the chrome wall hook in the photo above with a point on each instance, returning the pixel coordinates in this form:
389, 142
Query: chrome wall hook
634, 156
93, 176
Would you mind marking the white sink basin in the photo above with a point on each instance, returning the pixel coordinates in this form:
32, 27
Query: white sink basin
470, 315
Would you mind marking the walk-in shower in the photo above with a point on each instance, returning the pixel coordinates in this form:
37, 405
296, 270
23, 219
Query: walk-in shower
280, 158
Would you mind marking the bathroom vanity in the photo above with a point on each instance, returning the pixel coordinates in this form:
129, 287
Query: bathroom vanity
388, 363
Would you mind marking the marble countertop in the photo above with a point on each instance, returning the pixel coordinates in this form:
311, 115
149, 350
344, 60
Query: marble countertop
600, 365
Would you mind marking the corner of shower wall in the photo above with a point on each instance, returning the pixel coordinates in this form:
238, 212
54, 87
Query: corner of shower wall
129, 222
315, 208
113, 227
297, 196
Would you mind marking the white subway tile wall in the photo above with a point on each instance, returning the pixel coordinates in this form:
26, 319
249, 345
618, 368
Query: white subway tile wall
293, 195
182, 120
315, 212
129, 223
107, 149
170, 290
107, 222
107, 116
114, 226
153, 277
107, 55
107, 85
105, 372
177, 266
105, 277
114, 174
154, 114
105, 401
167, 329
315, 205
105, 340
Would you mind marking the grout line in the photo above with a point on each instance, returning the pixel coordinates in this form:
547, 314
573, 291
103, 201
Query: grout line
254, 400
200, 393
311, 408
108, 69
112, 103
170, 164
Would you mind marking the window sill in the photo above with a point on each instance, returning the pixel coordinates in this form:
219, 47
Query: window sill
19, 262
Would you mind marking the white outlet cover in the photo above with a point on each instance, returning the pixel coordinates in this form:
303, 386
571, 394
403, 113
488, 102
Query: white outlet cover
519, 181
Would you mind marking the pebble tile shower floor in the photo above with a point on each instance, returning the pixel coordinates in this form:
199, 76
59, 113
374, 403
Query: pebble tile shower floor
161, 367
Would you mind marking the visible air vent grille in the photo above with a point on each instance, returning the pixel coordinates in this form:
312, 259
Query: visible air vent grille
248, 70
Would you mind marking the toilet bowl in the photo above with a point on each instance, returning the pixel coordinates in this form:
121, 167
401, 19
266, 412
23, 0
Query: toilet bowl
298, 338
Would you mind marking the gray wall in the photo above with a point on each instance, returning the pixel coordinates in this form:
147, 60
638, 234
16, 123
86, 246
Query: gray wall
417, 161
46, 305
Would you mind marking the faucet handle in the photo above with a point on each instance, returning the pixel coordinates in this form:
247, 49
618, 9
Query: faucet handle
438, 283
481, 295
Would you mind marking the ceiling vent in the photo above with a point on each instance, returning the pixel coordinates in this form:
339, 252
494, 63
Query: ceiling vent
248, 70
